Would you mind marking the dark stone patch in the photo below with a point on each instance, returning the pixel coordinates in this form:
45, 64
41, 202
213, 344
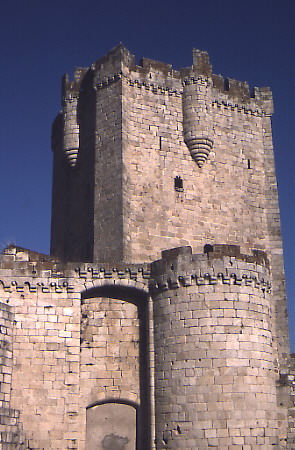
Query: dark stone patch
113, 442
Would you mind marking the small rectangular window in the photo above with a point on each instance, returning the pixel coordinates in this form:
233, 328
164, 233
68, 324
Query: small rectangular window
178, 184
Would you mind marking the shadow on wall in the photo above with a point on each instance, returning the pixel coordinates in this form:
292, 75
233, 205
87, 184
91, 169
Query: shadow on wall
119, 423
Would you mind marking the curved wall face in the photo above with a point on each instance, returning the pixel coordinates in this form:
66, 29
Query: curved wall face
71, 128
214, 356
197, 118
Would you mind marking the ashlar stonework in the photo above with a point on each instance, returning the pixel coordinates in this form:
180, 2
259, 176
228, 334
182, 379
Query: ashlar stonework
159, 319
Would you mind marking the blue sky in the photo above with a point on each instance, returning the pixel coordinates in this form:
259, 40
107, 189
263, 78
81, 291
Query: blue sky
251, 41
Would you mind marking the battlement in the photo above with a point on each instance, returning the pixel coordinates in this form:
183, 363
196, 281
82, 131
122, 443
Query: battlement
17, 253
116, 57
151, 65
110, 68
216, 251
73, 86
201, 62
219, 264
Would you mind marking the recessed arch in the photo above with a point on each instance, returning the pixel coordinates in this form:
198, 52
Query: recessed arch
130, 294
119, 400
109, 295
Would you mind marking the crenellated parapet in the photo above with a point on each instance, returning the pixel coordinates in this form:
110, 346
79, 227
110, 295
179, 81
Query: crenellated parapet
42, 274
200, 89
178, 268
218, 265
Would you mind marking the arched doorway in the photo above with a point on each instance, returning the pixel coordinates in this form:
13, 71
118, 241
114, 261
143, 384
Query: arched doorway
111, 425
115, 365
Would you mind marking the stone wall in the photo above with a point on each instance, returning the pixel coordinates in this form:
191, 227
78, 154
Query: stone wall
147, 158
170, 118
215, 363
11, 435
153, 124
82, 350
288, 385
108, 196
166, 158
73, 170
80, 339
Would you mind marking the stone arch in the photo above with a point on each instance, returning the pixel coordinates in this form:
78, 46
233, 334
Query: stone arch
134, 290
119, 310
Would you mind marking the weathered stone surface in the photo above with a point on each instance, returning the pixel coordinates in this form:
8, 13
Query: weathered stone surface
159, 321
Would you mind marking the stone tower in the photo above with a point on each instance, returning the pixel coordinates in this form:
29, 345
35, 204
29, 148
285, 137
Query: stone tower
159, 320
125, 186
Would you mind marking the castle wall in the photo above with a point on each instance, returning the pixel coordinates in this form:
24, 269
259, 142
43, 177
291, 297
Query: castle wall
142, 131
81, 351
80, 341
224, 200
140, 128
109, 344
147, 158
11, 435
108, 214
215, 362
208, 132
289, 381
73, 170
275, 250
45, 381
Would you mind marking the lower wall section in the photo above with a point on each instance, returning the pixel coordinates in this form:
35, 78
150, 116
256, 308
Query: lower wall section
114, 369
215, 358
77, 358
74, 367
11, 435
111, 425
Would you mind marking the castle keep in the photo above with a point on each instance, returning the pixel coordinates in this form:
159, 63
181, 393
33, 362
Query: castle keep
159, 319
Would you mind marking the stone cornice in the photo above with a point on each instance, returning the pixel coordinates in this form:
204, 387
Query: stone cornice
82, 277
228, 277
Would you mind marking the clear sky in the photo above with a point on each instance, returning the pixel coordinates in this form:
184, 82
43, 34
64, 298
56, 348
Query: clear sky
40, 40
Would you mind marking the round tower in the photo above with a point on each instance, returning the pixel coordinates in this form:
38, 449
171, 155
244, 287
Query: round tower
215, 376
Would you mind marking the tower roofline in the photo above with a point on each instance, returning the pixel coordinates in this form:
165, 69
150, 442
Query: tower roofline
119, 57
